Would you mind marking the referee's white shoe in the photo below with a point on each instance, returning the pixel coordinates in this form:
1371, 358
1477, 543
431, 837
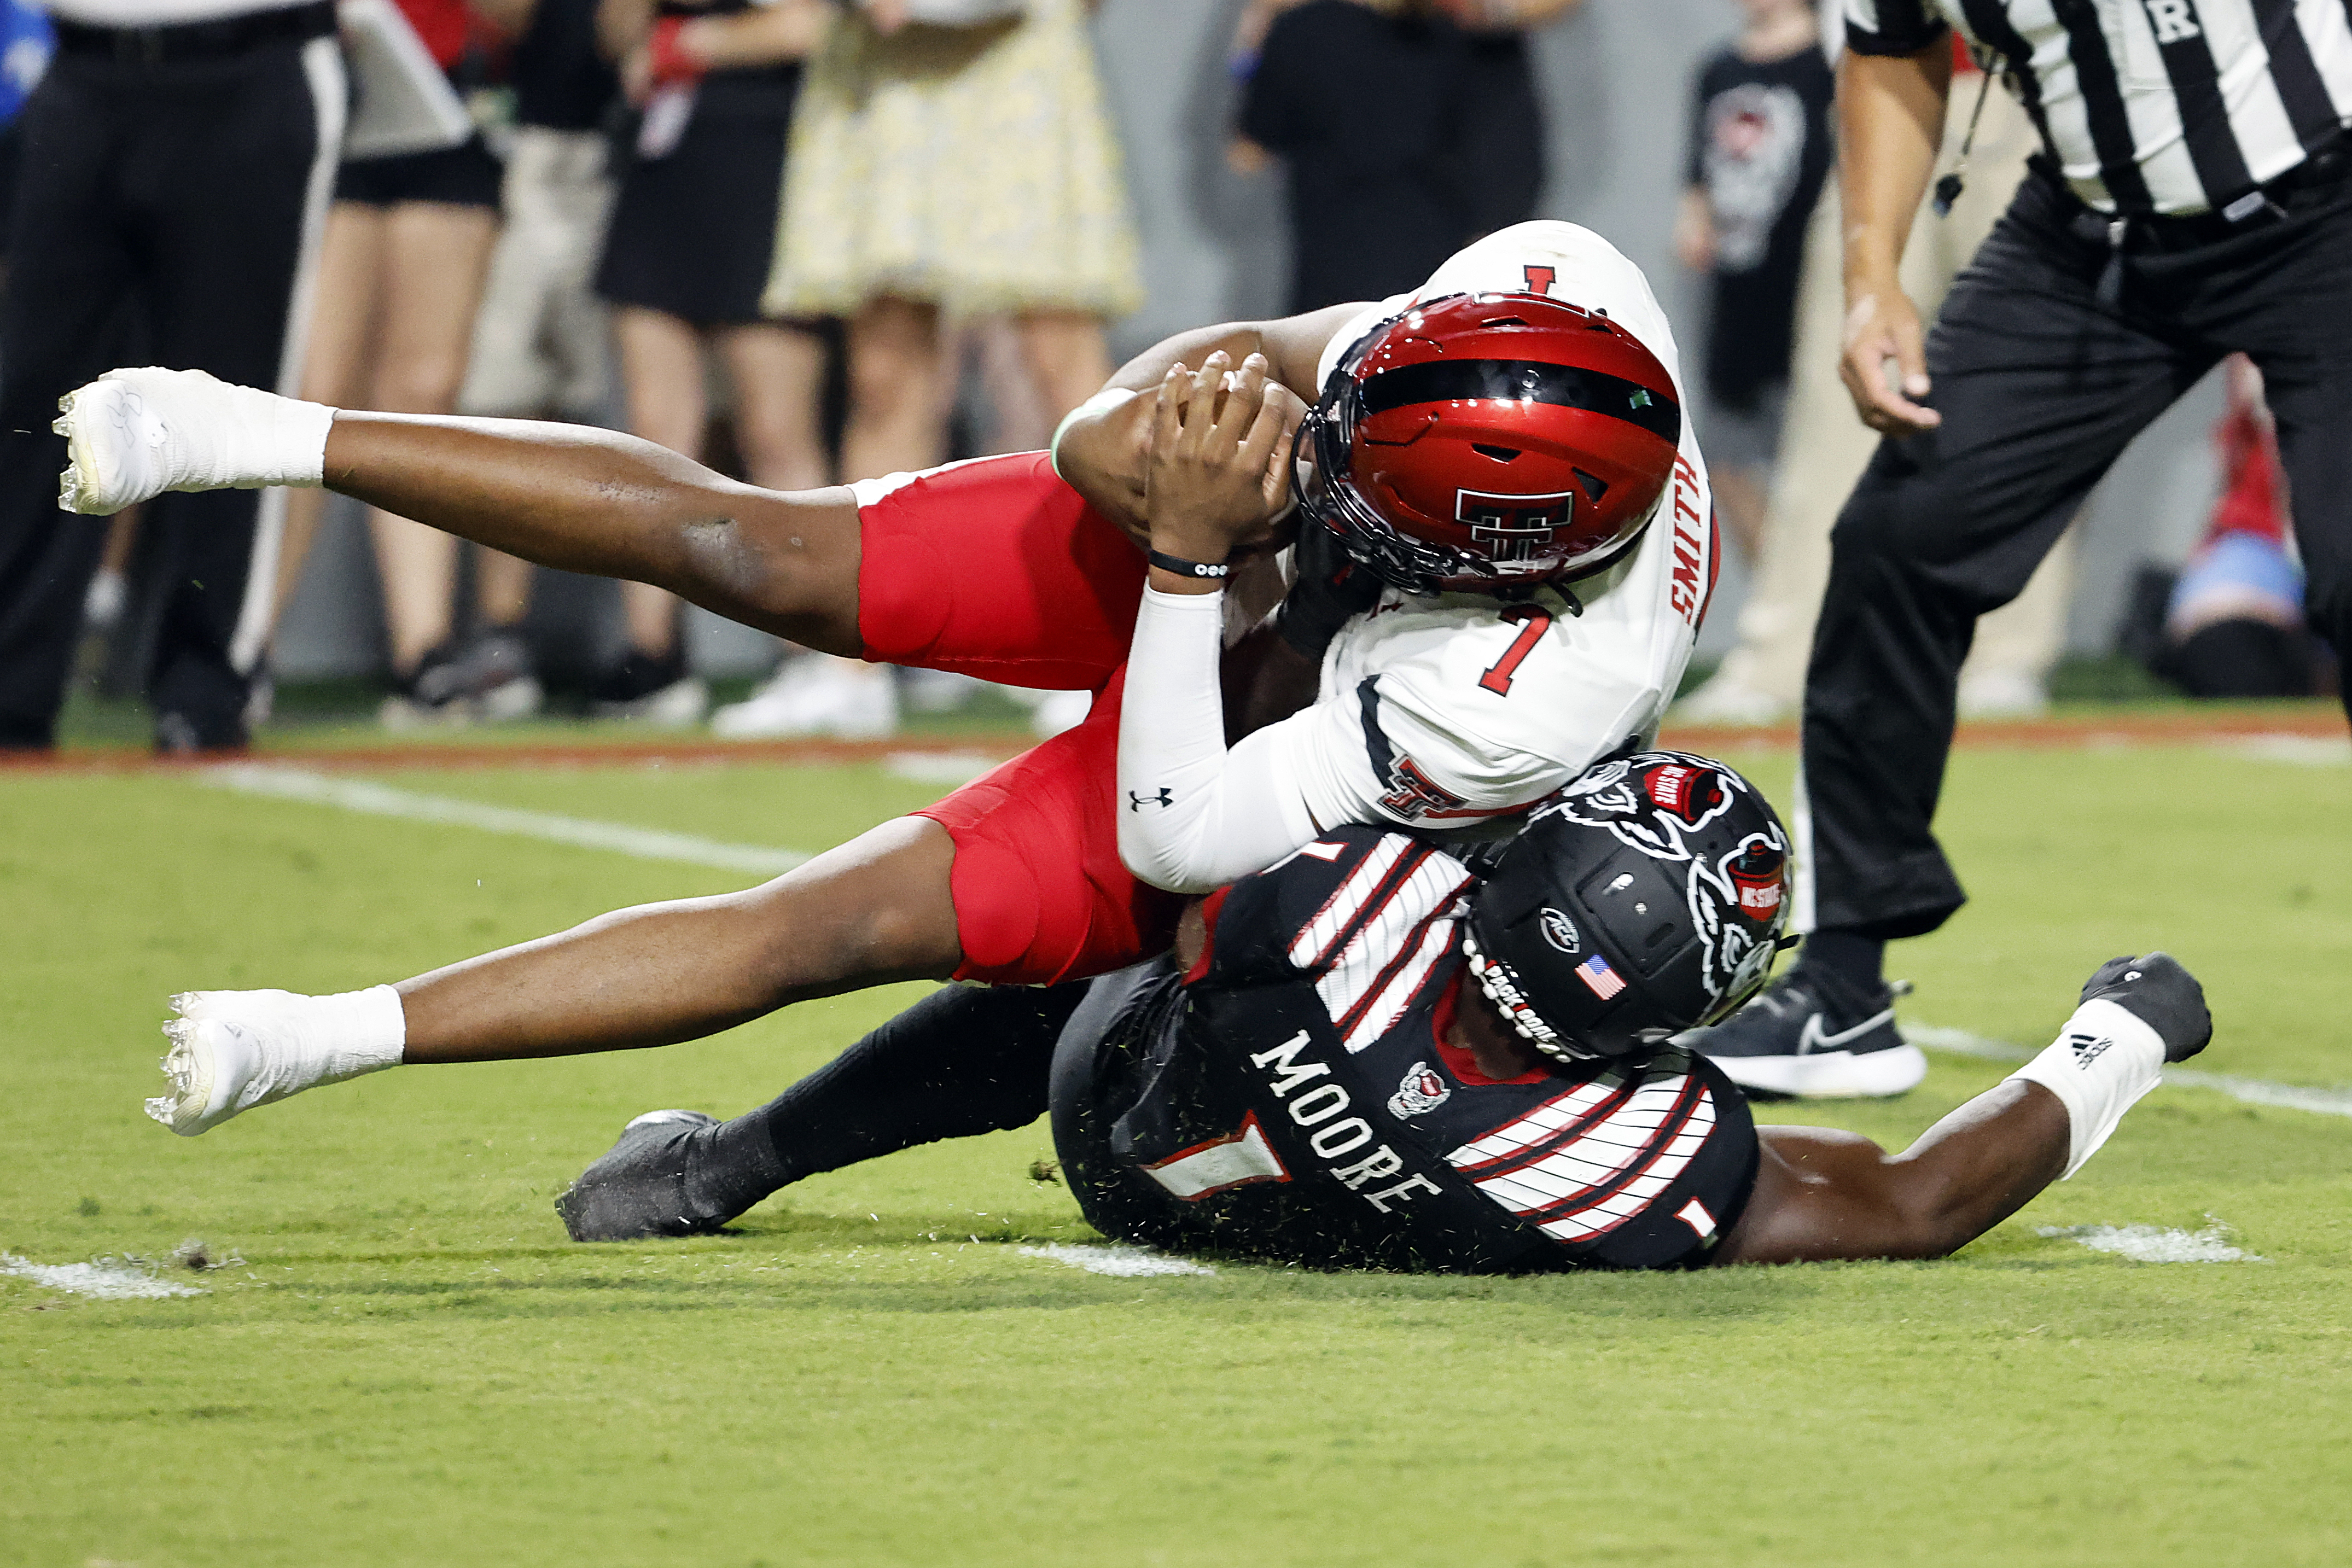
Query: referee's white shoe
133, 435
1809, 1036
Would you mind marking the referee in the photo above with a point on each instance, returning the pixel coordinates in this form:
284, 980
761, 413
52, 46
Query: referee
2193, 196
178, 159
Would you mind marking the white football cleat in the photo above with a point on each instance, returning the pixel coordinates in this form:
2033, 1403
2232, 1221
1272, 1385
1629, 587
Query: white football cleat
118, 444
133, 435
232, 1050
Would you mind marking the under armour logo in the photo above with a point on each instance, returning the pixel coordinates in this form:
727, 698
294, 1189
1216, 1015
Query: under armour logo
1135, 802
2174, 20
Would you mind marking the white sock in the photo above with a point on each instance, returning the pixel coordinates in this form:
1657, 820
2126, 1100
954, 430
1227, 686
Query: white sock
2103, 1060
353, 1032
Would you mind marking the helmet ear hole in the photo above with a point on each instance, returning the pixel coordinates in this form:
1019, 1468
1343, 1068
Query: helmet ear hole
1595, 486
1503, 454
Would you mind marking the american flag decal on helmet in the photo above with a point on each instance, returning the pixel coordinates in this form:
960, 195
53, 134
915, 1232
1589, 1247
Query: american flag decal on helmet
1598, 978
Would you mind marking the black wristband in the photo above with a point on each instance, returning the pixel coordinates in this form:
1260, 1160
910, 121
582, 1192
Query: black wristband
1183, 568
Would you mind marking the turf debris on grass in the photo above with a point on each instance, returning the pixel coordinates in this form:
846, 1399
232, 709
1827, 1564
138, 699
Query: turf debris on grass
407, 1360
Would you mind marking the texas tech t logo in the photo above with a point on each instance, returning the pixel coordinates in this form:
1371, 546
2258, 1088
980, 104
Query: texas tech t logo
1511, 527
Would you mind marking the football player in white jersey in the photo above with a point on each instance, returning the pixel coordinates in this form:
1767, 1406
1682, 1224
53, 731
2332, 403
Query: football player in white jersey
1503, 455
1591, 568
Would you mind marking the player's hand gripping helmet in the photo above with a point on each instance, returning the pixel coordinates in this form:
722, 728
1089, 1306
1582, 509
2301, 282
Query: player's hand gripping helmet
1489, 442
1645, 898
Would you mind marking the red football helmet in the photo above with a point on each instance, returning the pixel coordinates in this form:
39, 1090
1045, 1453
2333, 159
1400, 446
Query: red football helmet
1489, 442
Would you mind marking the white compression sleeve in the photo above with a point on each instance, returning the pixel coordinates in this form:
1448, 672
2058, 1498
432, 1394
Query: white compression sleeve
1191, 815
2103, 1060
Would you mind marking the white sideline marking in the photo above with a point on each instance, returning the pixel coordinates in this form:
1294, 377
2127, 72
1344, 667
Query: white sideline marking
383, 801
2252, 1091
2303, 750
1118, 1259
103, 1278
2155, 1244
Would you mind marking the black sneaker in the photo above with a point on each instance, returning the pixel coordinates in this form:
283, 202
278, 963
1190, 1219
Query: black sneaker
655, 690
486, 679
1811, 1036
640, 1187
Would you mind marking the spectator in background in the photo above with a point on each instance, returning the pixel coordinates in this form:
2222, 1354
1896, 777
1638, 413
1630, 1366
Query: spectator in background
541, 344
692, 239
2233, 624
1823, 449
1503, 140
408, 243
178, 170
944, 171
1368, 103
1760, 153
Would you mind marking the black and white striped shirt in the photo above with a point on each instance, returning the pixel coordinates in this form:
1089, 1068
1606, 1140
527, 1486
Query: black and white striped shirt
2152, 106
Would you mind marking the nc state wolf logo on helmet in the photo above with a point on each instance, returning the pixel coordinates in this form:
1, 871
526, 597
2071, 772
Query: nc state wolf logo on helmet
1737, 905
1653, 800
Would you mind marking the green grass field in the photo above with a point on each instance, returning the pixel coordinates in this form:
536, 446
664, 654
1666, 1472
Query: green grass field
407, 1362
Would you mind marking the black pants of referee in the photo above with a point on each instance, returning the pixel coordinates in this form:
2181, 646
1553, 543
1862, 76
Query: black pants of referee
174, 180
2041, 381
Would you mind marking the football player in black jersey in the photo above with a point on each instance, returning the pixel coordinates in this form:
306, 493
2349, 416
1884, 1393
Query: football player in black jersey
1377, 1054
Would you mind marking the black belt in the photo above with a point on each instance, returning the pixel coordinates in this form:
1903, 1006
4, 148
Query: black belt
2319, 178
185, 41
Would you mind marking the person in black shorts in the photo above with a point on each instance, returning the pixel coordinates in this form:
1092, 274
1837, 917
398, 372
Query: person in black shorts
1760, 153
400, 277
1377, 1055
687, 257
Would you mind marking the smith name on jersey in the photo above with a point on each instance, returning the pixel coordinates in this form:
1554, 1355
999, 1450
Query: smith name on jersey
1294, 1096
1444, 711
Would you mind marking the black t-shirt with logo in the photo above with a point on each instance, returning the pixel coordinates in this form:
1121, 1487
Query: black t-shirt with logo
1760, 147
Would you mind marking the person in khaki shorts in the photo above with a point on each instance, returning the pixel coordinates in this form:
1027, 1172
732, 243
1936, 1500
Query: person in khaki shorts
1823, 448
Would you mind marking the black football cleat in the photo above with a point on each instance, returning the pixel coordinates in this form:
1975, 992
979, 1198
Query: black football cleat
643, 1185
1814, 1037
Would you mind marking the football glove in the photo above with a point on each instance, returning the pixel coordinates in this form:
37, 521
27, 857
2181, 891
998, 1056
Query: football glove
2155, 990
1330, 587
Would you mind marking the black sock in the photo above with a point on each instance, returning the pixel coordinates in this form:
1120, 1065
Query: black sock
962, 1062
1857, 960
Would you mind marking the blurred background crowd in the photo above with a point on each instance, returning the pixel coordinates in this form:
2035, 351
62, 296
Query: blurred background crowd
813, 241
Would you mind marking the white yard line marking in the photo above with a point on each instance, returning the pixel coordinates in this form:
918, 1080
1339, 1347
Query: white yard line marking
1119, 1261
2156, 1244
2303, 750
383, 801
2252, 1091
104, 1278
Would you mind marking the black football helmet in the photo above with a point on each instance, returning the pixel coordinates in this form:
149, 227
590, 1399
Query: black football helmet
1647, 898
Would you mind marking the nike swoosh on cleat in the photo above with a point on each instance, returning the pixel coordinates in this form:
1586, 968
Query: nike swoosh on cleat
1816, 1037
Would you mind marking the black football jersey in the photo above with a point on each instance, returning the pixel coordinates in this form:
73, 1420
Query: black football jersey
1294, 1096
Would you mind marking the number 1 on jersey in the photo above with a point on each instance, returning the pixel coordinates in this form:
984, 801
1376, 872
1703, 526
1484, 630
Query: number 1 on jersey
1534, 622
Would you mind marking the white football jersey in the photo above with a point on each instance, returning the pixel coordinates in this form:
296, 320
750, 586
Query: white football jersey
1443, 711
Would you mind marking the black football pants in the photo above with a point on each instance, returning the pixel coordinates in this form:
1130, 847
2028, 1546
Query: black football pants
2041, 384
174, 207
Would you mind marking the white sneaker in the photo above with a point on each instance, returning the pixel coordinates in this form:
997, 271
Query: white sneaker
816, 696
2003, 694
1724, 699
232, 1050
